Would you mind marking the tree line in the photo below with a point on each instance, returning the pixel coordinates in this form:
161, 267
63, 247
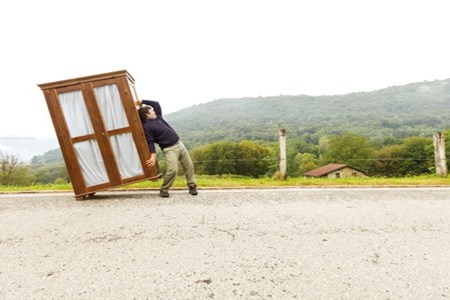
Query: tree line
389, 157
14, 172
397, 158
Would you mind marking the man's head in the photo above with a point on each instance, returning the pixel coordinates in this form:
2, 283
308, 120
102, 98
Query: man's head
146, 112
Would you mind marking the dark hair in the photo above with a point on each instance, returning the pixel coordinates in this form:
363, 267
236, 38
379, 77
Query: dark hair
143, 111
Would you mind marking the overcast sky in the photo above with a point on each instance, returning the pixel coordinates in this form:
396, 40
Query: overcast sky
187, 52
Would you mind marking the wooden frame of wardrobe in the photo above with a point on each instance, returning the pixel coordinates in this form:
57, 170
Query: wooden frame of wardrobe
100, 136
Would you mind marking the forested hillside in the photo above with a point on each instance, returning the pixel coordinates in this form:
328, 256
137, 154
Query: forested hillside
399, 111
385, 133
417, 109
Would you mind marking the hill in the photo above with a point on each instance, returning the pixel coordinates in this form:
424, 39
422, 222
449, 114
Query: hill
398, 111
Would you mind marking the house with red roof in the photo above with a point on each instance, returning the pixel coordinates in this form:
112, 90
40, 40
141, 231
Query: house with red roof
336, 171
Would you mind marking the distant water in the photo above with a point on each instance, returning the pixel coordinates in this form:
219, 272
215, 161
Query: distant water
27, 147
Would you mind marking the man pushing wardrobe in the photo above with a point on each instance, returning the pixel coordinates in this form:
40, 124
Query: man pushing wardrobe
158, 131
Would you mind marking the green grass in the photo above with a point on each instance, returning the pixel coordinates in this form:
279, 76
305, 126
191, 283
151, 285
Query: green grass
231, 181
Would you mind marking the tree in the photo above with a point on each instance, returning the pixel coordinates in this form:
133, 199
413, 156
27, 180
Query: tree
387, 162
348, 148
244, 158
217, 158
447, 147
252, 161
306, 162
45, 174
296, 145
418, 156
13, 172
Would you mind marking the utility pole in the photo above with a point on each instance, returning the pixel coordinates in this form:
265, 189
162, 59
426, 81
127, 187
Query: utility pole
283, 173
439, 154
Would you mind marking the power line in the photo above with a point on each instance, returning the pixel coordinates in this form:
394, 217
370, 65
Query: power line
346, 159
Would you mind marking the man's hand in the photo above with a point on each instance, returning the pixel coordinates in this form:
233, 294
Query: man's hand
152, 161
138, 103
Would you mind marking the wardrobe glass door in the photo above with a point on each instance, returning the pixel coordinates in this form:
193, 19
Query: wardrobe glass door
85, 144
118, 130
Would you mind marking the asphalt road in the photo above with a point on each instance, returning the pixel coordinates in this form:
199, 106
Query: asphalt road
303, 243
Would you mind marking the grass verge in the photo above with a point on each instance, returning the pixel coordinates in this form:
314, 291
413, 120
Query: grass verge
232, 181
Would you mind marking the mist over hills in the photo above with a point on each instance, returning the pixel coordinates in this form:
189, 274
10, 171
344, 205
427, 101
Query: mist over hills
398, 111
26, 147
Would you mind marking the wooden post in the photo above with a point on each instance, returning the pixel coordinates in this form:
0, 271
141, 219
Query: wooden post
283, 173
439, 154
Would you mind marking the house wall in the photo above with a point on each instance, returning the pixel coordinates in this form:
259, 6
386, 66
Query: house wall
345, 173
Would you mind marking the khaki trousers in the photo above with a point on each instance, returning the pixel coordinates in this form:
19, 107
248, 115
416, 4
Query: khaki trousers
174, 154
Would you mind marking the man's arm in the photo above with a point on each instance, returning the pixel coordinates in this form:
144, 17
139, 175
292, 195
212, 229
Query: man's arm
151, 145
154, 104
150, 140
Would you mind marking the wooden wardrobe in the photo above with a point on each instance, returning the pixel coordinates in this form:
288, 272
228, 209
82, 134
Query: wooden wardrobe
99, 131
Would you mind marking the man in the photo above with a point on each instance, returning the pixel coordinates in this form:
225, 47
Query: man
158, 131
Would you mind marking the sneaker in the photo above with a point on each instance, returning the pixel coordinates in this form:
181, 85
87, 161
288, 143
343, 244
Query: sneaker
163, 194
193, 189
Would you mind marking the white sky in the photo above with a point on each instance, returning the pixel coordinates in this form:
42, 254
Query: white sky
186, 52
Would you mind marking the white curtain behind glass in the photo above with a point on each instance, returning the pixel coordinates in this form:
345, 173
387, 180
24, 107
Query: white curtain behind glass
111, 108
75, 113
91, 162
126, 152
88, 152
